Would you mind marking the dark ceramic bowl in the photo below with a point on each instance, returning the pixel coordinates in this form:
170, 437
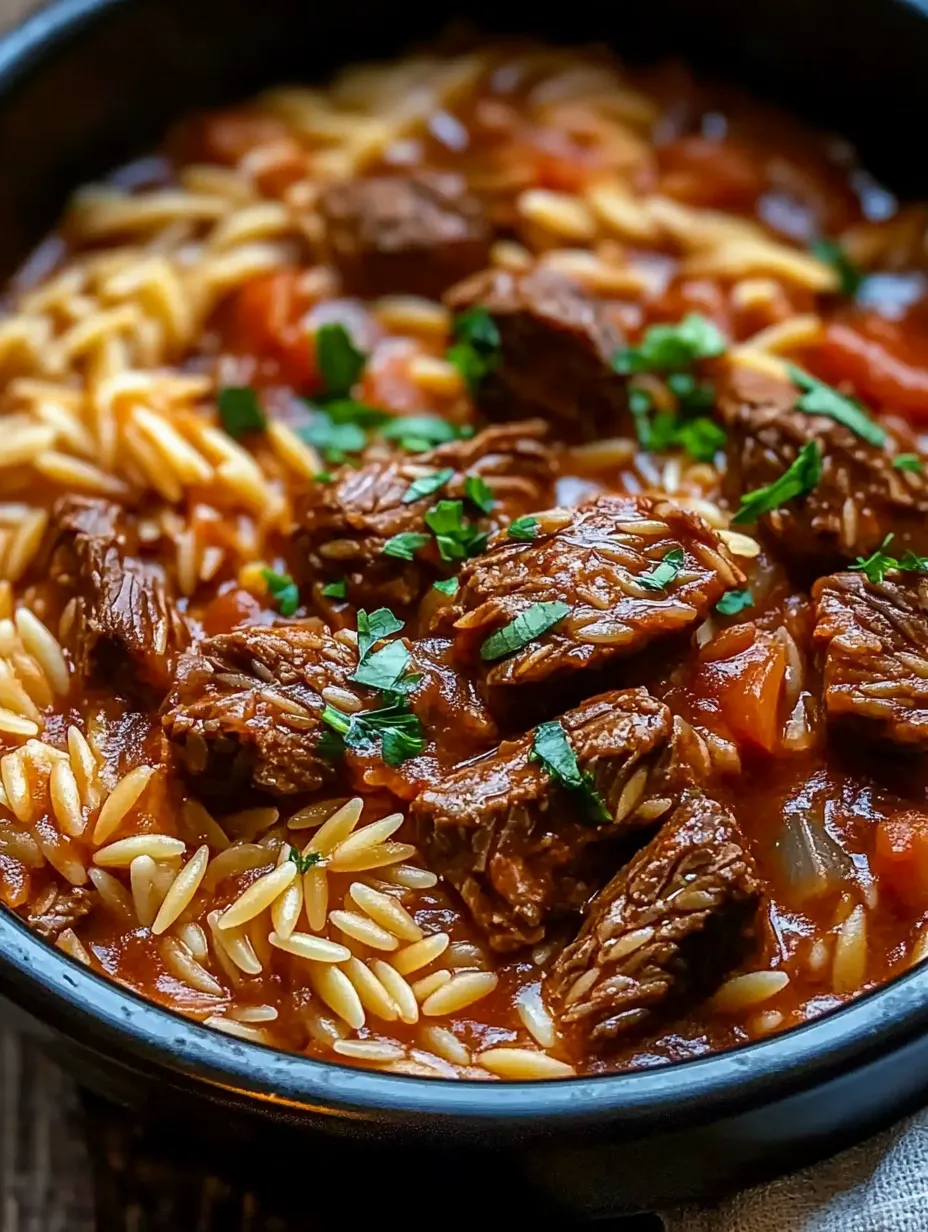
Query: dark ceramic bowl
89, 82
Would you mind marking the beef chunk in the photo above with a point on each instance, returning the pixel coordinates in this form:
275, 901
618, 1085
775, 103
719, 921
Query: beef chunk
555, 356
343, 526
121, 614
859, 499
415, 234
601, 562
68, 907
875, 642
522, 850
667, 927
247, 706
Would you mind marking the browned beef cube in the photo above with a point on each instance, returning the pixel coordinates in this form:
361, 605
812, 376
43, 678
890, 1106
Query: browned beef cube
859, 499
247, 706
522, 850
875, 642
120, 612
63, 912
555, 355
415, 234
343, 526
667, 928
624, 570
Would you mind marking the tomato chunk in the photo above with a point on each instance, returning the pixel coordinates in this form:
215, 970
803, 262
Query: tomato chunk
265, 319
877, 368
900, 857
749, 686
714, 174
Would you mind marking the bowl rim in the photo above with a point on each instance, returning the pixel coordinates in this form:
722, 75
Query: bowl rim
98, 1013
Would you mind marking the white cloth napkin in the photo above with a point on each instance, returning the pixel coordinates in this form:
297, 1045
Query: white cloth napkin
879, 1186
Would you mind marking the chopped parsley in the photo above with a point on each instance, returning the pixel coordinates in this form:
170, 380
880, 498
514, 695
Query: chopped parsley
335, 441
339, 361
406, 544
476, 349
686, 427
240, 411
416, 433
551, 746
878, 563
427, 484
734, 601
322, 477
830, 252
668, 348
524, 529
479, 493
336, 590
373, 627
525, 628
449, 586
908, 462
820, 399
304, 862
798, 479
457, 539
383, 669
283, 590
394, 727
663, 573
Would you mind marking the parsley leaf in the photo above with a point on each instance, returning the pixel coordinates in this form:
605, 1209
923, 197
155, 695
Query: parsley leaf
405, 545
663, 573
339, 361
820, 399
527, 626
336, 590
283, 590
476, 351
878, 563
830, 252
702, 438
524, 529
333, 440
457, 538
394, 726
349, 410
427, 484
908, 462
699, 435
322, 477
666, 348
373, 627
798, 479
240, 411
479, 493
416, 433
304, 862
383, 669
449, 586
734, 601
551, 746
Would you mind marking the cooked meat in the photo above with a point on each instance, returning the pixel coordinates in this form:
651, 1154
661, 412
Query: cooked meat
522, 850
416, 234
247, 706
344, 525
120, 612
555, 355
859, 499
68, 907
667, 928
612, 564
875, 643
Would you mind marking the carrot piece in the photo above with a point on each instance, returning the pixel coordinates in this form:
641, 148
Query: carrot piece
900, 857
876, 371
751, 694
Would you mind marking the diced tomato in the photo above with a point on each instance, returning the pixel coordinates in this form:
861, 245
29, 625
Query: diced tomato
227, 136
900, 857
233, 607
710, 174
695, 295
877, 367
265, 319
750, 685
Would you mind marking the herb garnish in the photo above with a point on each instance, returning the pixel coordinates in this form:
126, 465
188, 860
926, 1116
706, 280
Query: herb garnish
405, 545
878, 563
820, 399
240, 411
668, 348
479, 493
908, 462
663, 573
734, 601
798, 479
339, 361
457, 539
336, 590
304, 862
830, 252
283, 590
476, 350
527, 626
427, 484
333, 440
524, 529
383, 669
416, 433
551, 746
394, 727
448, 586
373, 627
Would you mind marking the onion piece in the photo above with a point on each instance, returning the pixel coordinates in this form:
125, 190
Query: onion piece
814, 864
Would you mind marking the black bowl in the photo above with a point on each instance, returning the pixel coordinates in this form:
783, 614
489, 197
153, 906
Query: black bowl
89, 82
